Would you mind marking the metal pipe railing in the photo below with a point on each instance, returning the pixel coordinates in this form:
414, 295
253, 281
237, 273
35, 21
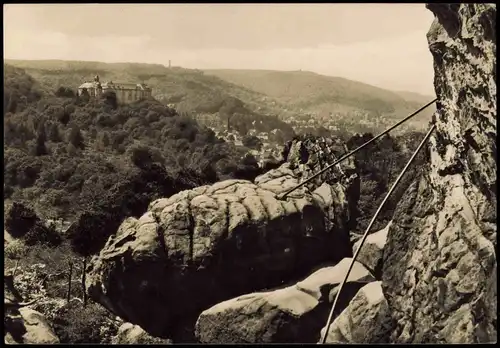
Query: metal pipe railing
365, 235
358, 148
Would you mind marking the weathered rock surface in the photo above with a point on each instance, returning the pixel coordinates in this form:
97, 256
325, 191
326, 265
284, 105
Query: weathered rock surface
365, 320
212, 243
133, 334
23, 325
293, 314
372, 252
440, 267
308, 155
7, 238
37, 329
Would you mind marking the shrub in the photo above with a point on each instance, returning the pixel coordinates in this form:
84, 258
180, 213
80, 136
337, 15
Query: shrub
109, 98
140, 155
65, 92
41, 234
75, 137
15, 249
19, 219
252, 142
91, 324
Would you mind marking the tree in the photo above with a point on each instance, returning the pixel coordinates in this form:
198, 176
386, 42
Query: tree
84, 97
104, 139
40, 148
252, 142
19, 219
42, 234
9, 131
12, 104
130, 196
75, 137
65, 92
53, 133
141, 156
110, 99
249, 160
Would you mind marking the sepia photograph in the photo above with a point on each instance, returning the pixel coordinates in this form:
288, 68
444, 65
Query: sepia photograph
238, 173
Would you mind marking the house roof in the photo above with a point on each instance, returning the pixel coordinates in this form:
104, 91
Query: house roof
88, 85
117, 85
121, 85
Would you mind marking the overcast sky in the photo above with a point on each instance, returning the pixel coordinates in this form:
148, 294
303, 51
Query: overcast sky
380, 44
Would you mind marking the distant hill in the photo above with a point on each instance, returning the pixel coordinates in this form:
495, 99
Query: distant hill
189, 90
415, 97
62, 152
310, 92
352, 106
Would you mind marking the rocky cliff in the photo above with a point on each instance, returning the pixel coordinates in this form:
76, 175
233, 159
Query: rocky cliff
209, 244
435, 263
439, 267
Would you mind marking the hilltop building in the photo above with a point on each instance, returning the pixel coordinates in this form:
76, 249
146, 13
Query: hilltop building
125, 92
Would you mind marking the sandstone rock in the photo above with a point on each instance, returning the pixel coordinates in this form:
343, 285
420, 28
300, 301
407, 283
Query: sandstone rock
293, 314
34, 329
308, 155
22, 324
439, 268
365, 320
7, 238
133, 334
373, 249
212, 243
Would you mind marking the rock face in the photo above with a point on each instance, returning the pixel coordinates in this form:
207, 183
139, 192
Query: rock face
37, 329
212, 243
133, 334
440, 267
372, 252
309, 155
7, 238
365, 320
293, 314
23, 325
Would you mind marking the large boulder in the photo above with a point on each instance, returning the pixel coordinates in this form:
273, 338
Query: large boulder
372, 251
134, 334
212, 243
440, 266
23, 325
308, 155
7, 238
293, 314
36, 329
365, 320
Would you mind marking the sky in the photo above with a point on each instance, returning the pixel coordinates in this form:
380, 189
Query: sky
380, 44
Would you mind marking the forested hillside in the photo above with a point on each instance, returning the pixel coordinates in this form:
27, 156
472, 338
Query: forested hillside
189, 91
62, 152
273, 99
351, 105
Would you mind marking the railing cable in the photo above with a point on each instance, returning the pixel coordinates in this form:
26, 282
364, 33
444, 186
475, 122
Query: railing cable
358, 148
365, 235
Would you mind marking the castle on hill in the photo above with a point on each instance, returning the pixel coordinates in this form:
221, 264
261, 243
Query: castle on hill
125, 92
